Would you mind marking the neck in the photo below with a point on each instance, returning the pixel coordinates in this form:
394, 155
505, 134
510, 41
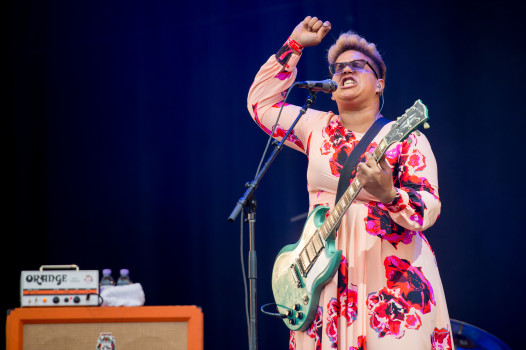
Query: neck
359, 119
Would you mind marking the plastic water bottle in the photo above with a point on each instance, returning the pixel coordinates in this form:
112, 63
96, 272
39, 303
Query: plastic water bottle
124, 278
106, 279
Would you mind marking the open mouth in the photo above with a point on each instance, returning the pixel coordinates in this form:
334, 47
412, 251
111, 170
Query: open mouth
348, 81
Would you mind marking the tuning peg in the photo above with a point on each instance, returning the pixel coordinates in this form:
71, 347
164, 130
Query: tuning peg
426, 125
417, 133
398, 118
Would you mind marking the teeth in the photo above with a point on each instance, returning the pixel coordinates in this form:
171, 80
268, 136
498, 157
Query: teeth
349, 82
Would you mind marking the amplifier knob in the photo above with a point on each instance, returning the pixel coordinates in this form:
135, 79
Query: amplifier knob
56, 300
76, 300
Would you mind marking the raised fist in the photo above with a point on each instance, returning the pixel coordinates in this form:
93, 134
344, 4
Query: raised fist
311, 31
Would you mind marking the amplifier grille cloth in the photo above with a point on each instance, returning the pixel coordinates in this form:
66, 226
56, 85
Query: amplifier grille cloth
128, 335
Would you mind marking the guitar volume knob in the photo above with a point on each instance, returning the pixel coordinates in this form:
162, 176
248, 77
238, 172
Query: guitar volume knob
297, 307
299, 315
292, 321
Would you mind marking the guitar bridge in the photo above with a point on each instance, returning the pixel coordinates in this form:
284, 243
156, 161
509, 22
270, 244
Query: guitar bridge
295, 275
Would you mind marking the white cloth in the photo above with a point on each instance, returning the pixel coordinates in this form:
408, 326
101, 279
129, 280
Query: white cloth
128, 295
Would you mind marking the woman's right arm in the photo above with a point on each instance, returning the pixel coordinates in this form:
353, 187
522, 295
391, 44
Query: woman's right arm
270, 85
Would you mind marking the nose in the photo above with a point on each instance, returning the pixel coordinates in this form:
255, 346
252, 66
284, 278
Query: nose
347, 68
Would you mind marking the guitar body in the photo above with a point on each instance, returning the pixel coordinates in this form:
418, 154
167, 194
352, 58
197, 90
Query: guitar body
297, 291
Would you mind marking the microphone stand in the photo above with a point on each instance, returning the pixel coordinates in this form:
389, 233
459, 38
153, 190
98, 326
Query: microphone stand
249, 201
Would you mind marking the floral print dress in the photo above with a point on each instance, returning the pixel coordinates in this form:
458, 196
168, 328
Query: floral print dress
387, 293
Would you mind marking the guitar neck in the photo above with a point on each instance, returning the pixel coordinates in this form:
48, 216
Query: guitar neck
332, 222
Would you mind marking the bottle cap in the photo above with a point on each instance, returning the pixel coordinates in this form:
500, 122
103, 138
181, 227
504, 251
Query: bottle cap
125, 272
106, 272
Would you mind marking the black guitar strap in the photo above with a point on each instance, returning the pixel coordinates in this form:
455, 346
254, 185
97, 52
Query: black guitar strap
356, 153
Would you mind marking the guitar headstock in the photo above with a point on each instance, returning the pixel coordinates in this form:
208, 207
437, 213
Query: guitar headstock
407, 123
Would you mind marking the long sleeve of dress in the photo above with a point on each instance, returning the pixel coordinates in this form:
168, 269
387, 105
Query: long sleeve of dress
416, 205
266, 96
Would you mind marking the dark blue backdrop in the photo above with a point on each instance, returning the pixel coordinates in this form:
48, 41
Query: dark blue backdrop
128, 142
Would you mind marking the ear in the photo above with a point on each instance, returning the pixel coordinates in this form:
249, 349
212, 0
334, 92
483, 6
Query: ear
332, 97
380, 85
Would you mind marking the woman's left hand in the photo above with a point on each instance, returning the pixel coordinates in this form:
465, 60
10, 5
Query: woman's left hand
377, 179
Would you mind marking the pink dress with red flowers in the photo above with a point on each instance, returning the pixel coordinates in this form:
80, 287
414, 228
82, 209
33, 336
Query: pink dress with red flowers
387, 293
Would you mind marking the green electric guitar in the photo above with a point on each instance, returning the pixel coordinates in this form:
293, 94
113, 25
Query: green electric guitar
302, 269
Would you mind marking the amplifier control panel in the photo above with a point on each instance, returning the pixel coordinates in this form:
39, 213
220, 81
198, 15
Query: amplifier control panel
59, 288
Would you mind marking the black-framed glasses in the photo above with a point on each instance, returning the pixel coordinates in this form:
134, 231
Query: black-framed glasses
356, 66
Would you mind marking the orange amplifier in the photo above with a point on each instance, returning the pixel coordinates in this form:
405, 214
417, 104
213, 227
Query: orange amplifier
59, 285
127, 328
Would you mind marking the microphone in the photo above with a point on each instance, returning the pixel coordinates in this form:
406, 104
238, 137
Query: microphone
326, 85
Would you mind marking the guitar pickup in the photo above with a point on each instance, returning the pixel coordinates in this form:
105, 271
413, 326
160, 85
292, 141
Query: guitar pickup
299, 265
317, 242
295, 275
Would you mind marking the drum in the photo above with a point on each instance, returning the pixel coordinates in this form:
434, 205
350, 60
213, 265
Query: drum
466, 336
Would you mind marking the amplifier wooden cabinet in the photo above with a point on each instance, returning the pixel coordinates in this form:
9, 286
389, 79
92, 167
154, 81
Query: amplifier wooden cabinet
130, 328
